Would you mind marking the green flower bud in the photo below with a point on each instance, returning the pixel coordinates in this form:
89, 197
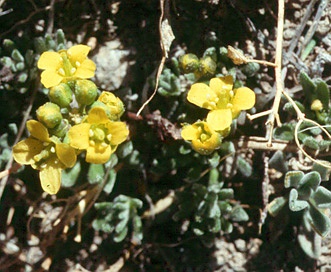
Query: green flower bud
85, 91
189, 63
114, 104
61, 95
207, 67
61, 129
49, 114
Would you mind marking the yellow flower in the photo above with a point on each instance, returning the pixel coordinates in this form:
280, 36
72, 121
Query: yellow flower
99, 136
46, 154
65, 65
204, 139
224, 103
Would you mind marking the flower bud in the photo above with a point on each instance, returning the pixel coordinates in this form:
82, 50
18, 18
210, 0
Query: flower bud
49, 114
61, 129
207, 67
115, 106
189, 63
61, 95
316, 105
85, 91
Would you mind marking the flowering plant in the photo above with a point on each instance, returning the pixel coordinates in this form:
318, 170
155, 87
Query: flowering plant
87, 123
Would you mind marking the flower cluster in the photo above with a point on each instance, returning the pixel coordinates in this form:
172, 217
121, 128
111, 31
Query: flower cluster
224, 104
76, 119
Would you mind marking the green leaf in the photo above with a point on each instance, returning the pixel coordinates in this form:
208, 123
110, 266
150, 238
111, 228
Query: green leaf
217, 225
292, 178
285, 132
101, 224
107, 206
310, 242
227, 226
110, 182
124, 149
112, 161
244, 167
319, 221
69, 176
324, 145
250, 69
120, 236
17, 56
226, 193
289, 107
278, 162
296, 205
275, 206
238, 214
137, 234
322, 170
322, 198
310, 142
323, 93
60, 37
95, 173
309, 87
309, 183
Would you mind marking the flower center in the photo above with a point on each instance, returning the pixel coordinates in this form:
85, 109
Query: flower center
98, 135
41, 158
203, 135
67, 69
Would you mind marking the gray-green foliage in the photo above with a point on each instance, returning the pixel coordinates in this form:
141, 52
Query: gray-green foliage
210, 208
315, 90
310, 198
118, 217
19, 66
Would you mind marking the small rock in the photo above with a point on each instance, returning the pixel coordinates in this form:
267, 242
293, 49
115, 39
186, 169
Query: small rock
240, 245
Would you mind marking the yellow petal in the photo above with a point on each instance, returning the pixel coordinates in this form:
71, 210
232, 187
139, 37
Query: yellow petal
207, 147
50, 177
79, 136
98, 154
86, 69
244, 98
189, 133
78, 53
202, 95
66, 154
50, 60
49, 78
97, 115
219, 119
38, 130
119, 132
221, 84
24, 151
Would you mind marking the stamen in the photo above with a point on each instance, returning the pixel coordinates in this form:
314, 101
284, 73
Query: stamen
104, 145
91, 133
52, 149
61, 72
109, 136
77, 63
73, 70
92, 143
